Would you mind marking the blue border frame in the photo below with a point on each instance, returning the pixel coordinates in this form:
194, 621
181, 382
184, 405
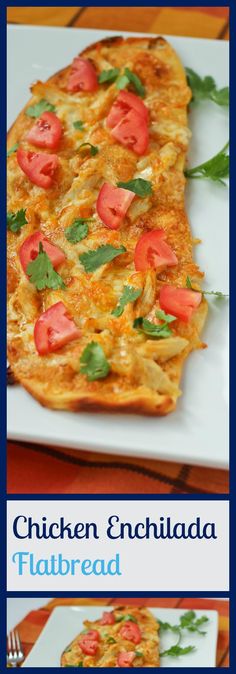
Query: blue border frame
232, 594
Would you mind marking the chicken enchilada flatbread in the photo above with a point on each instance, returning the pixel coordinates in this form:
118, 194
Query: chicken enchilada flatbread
99, 244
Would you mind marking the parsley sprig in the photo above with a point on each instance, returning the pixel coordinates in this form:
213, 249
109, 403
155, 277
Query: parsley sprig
216, 293
108, 75
130, 78
12, 149
188, 621
215, 168
16, 220
88, 146
93, 362
94, 259
129, 294
154, 330
40, 107
78, 230
141, 187
42, 273
205, 88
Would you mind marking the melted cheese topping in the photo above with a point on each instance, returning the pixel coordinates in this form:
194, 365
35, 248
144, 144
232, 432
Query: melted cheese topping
144, 374
111, 643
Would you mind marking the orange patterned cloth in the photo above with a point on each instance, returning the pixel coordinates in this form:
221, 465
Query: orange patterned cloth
53, 470
33, 623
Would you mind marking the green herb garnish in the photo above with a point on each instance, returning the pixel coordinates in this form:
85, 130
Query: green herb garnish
152, 330
130, 78
108, 75
79, 125
78, 230
215, 168
205, 88
16, 220
93, 148
96, 258
138, 654
12, 149
176, 651
40, 107
188, 621
141, 187
129, 294
216, 293
110, 640
93, 362
42, 274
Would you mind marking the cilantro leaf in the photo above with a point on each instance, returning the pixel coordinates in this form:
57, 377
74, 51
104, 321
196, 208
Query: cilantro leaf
108, 75
215, 168
42, 274
130, 78
40, 107
164, 626
216, 293
79, 125
152, 330
138, 654
141, 187
122, 82
167, 318
205, 88
125, 617
111, 640
12, 149
93, 362
96, 258
16, 220
93, 148
129, 294
176, 651
78, 230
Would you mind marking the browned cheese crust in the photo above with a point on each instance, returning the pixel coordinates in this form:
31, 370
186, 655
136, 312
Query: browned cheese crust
144, 374
111, 642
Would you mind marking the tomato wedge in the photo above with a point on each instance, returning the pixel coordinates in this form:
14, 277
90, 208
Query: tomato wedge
112, 204
38, 167
153, 252
30, 248
125, 102
180, 302
107, 618
131, 632
88, 646
89, 642
132, 132
46, 132
125, 659
82, 76
53, 329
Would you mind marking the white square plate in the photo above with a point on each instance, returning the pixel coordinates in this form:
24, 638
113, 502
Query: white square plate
197, 432
66, 622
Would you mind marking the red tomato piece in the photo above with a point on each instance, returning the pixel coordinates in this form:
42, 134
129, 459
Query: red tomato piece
131, 632
88, 646
53, 329
38, 167
180, 302
125, 659
125, 102
46, 132
132, 132
112, 204
153, 252
107, 618
82, 76
30, 248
